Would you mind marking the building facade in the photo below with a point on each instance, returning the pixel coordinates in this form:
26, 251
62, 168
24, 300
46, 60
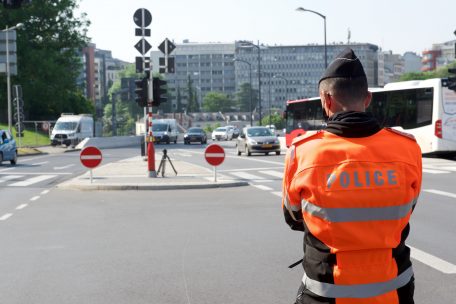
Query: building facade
281, 72
209, 67
439, 55
390, 67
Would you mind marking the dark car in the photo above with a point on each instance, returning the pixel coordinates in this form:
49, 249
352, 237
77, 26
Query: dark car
195, 135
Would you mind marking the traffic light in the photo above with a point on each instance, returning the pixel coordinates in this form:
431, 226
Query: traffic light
141, 91
159, 91
15, 3
452, 79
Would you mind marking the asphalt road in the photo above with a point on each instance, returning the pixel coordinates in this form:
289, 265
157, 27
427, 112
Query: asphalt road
188, 246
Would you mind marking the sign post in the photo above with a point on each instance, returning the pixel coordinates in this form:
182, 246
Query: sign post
215, 155
90, 157
143, 18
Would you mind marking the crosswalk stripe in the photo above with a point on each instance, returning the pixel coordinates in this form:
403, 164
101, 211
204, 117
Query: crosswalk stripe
9, 177
277, 193
245, 175
32, 180
272, 173
261, 187
432, 171
444, 193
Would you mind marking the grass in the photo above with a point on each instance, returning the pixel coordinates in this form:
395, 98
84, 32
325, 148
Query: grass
30, 138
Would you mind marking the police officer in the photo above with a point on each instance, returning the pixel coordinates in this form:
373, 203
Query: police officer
351, 189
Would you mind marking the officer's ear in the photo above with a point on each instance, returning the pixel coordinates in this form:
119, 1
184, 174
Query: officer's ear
367, 100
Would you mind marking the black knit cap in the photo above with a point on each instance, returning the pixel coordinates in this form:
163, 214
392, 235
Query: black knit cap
345, 65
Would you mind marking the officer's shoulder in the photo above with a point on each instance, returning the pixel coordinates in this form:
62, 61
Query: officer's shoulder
404, 134
306, 137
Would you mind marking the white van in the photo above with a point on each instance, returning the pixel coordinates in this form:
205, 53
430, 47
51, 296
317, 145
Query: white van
71, 129
164, 130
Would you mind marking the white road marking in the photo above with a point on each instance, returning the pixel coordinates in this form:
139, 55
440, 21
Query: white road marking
272, 173
243, 158
45, 192
449, 194
261, 187
9, 177
432, 261
21, 206
41, 173
277, 193
250, 169
64, 167
6, 169
42, 163
32, 158
433, 171
32, 180
35, 198
245, 175
6, 216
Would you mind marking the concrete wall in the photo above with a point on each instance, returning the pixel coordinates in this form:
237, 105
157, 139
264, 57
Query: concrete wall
110, 142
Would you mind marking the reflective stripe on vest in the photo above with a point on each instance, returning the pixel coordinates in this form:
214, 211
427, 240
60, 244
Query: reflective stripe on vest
357, 291
338, 215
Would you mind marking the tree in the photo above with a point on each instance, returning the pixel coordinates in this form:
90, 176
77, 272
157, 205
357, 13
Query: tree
243, 97
441, 72
48, 59
276, 120
192, 102
216, 101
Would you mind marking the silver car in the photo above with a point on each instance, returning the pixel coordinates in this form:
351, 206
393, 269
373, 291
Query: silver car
257, 140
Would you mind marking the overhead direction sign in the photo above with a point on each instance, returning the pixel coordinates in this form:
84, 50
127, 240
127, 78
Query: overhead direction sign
167, 47
142, 17
143, 46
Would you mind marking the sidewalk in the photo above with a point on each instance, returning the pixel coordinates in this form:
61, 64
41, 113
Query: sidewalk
132, 174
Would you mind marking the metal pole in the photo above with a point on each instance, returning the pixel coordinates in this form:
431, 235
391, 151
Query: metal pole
326, 55
251, 95
215, 174
8, 82
259, 79
269, 101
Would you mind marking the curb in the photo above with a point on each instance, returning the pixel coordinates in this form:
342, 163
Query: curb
90, 187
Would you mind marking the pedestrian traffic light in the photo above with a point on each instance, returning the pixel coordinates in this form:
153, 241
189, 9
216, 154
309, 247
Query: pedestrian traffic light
452, 79
159, 91
141, 91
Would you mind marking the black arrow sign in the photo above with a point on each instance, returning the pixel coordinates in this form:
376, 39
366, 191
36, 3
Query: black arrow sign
143, 46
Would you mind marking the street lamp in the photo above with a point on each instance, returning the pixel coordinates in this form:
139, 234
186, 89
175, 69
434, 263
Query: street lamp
8, 77
300, 9
269, 97
286, 85
259, 71
251, 93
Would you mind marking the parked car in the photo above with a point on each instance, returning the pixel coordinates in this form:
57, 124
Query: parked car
222, 133
8, 149
195, 135
257, 140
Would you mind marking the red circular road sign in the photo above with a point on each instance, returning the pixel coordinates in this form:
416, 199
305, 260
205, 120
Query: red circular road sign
214, 154
91, 157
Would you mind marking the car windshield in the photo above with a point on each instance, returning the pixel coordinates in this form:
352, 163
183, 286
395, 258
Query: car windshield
255, 132
65, 125
195, 130
220, 130
159, 127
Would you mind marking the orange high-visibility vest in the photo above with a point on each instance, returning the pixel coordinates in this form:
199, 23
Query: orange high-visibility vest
355, 195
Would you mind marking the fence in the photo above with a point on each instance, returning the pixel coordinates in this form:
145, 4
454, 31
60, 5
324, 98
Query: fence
34, 133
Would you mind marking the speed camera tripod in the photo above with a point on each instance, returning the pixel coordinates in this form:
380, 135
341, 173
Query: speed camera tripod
162, 165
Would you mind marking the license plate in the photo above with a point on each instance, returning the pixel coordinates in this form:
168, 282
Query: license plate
267, 146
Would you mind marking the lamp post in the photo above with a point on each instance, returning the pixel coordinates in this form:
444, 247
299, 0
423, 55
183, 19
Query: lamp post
8, 76
251, 93
269, 97
257, 46
300, 9
286, 85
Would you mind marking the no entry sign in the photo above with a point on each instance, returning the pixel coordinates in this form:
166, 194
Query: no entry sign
91, 157
214, 154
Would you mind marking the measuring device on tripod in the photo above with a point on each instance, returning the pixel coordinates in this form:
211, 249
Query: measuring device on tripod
162, 165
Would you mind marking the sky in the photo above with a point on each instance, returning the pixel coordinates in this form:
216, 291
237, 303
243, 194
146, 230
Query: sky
396, 25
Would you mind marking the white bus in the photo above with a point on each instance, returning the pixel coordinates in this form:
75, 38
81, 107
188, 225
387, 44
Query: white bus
423, 108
